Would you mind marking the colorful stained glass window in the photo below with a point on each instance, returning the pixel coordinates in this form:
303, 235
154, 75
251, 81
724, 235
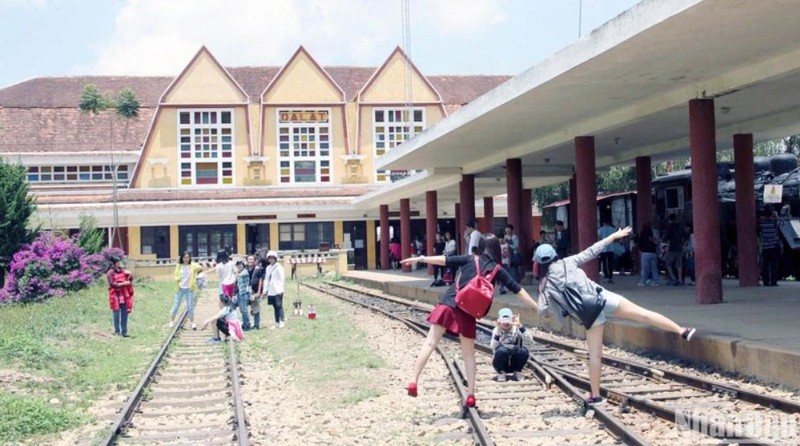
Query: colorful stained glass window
304, 146
391, 128
205, 142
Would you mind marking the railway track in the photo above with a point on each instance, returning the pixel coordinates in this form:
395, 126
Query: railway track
190, 394
531, 411
642, 397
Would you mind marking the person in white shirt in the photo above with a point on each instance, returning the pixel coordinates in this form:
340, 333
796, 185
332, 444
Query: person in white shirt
226, 275
474, 237
449, 245
274, 281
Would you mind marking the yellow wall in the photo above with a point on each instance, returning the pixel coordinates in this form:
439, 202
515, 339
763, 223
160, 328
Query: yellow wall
372, 262
134, 242
273, 236
302, 82
391, 80
205, 82
241, 239
338, 233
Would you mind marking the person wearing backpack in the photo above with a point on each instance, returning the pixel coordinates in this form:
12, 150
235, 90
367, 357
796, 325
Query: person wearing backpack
565, 288
449, 314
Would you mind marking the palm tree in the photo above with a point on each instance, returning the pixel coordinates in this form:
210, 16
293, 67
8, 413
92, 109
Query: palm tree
127, 107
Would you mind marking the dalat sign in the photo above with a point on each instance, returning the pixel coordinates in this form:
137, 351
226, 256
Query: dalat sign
304, 116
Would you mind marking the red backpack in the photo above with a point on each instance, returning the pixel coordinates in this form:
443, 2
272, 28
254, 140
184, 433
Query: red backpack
475, 298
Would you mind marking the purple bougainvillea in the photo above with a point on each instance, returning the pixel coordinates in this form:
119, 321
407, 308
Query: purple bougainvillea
51, 266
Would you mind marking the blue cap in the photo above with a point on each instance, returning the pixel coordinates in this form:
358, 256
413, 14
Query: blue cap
505, 313
545, 254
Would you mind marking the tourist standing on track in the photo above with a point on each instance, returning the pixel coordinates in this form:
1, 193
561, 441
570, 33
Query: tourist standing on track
226, 275
510, 356
274, 282
557, 277
185, 276
447, 317
243, 288
256, 287
120, 295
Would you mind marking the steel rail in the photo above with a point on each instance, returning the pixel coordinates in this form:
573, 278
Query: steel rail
138, 391
240, 420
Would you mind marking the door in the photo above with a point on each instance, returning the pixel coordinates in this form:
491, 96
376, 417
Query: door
358, 241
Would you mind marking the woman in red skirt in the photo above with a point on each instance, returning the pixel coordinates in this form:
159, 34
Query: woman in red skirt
447, 317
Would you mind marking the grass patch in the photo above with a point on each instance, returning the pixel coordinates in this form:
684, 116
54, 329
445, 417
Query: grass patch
329, 353
67, 349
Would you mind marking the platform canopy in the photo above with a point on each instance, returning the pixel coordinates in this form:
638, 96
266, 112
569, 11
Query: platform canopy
627, 83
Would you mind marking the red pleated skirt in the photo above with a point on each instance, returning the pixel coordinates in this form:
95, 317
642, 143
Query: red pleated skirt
455, 321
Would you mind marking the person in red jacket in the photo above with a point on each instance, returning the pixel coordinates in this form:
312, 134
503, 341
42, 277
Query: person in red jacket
120, 295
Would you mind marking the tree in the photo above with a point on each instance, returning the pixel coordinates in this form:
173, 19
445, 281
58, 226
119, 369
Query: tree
16, 208
127, 107
90, 238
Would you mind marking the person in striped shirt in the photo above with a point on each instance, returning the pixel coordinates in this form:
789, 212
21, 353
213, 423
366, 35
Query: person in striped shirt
768, 227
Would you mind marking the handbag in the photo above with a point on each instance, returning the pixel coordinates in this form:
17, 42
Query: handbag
582, 309
475, 297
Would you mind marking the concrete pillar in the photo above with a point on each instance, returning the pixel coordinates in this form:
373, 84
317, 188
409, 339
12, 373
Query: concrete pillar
644, 192
745, 210
526, 226
572, 223
705, 209
384, 216
405, 231
458, 236
514, 190
488, 215
466, 193
431, 214
586, 194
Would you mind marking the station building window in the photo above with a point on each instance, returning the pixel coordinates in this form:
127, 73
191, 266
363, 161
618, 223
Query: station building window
391, 127
304, 146
297, 236
94, 173
155, 240
206, 240
205, 147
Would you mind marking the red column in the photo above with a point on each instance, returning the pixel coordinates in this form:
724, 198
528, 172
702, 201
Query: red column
514, 190
405, 232
572, 223
705, 209
586, 194
466, 193
745, 210
385, 264
488, 215
526, 225
644, 192
431, 214
459, 232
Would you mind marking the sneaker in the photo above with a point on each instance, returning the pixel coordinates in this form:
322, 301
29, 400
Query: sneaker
594, 400
171, 324
688, 333
214, 341
126, 335
518, 376
641, 284
470, 401
282, 324
501, 377
194, 327
273, 327
412, 389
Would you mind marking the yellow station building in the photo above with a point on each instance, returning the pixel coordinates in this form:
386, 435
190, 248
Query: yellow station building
246, 158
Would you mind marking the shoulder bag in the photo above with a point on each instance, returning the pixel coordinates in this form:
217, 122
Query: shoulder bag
475, 297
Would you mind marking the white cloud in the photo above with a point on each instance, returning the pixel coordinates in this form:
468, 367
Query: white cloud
468, 16
159, 37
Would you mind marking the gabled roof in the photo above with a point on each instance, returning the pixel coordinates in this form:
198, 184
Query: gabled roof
302, 52
203, 51
405, 57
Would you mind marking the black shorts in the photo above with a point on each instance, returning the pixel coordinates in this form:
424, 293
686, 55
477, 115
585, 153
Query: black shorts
222, 325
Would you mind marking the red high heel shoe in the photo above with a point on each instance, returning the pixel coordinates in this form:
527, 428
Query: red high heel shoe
470, 401
412, 389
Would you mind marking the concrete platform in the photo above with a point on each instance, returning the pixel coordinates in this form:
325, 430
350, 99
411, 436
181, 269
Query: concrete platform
756, 332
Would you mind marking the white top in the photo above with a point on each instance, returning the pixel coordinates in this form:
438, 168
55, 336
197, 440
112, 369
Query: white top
225, 273
450, 247
474, 240
274, 279
186, 274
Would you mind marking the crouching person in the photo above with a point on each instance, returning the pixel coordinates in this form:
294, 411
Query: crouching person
510, 356
225, 321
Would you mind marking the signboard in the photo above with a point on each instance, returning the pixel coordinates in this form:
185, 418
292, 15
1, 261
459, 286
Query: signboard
773, 193
299, 116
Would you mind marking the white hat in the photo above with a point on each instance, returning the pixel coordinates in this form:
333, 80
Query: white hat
505, 315
272, 254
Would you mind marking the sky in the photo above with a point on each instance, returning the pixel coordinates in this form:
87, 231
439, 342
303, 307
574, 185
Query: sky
159, 37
